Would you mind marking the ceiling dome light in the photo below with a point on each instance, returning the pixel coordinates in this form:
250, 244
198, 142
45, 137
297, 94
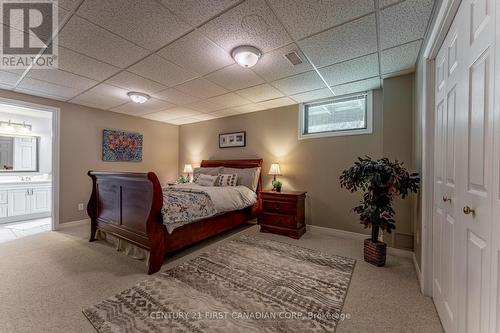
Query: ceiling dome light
246, 56
138, 97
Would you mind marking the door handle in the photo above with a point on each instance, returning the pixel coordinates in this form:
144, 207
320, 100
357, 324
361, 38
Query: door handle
446, 199
468, 211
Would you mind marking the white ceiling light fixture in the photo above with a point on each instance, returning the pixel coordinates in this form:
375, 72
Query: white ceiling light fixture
138, 97
246, 56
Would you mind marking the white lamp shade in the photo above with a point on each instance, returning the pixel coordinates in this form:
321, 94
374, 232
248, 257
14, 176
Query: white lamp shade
188, 168
275, 169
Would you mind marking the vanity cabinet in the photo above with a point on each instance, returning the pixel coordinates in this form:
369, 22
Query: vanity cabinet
25, 201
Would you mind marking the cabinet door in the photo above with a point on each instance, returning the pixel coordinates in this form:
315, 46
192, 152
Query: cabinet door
25, 154
40, 199
19, 203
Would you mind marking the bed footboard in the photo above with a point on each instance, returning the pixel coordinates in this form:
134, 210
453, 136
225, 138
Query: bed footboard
128, 205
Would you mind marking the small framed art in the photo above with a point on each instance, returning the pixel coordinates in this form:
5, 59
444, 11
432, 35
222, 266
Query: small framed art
232, 140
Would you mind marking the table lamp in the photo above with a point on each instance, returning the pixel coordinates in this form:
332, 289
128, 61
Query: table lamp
188, 168
275, 171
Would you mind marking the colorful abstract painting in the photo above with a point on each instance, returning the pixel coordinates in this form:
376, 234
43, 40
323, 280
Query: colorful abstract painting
121, 146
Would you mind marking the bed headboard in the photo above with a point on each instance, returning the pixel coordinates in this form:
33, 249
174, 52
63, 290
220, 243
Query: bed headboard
241, 164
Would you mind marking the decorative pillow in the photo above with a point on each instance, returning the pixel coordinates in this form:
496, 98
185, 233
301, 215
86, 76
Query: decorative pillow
206, 171
248, 177
227, 179
206, 180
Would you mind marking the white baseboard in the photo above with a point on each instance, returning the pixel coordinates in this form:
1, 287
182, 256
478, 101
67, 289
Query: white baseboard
72, 224
355, 235
417, 271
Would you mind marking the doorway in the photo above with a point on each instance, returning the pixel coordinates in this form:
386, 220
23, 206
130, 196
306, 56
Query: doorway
29, 166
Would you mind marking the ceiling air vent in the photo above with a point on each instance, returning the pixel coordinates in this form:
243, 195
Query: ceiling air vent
294, 58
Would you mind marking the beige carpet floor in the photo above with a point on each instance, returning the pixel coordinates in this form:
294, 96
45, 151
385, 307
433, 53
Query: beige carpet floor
48, 278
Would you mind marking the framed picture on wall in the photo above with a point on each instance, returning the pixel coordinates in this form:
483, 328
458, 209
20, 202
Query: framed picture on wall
233, 140
121, 146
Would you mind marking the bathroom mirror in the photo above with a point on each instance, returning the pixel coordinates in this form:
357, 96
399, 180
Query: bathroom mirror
18, 153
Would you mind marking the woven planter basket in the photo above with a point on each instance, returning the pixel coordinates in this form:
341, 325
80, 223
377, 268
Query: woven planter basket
375, 253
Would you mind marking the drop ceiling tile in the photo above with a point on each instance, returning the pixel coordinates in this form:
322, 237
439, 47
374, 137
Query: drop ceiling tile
160, 70
348, 41
201, 88
191, 11
351, 70
250, 23
175, 96
62, 78
353, 87
84, 37
204, 106
235, 77
8, 79
205, 116
68, 4
225, 113
183, 121
404, 22
304, 18
229, 100
132, 82
166, 115
182, 111
102, 96
312, 95
260, 93
385, 3
80, 64
197, 54
248, 108
400, 58
276, 103
136, 109
299, 83
273, 65
146, 23
46, 89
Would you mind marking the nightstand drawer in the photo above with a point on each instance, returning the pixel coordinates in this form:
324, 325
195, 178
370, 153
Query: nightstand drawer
279, 207
277, 220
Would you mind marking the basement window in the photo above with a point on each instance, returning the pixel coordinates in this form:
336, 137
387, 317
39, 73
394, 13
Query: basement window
338, 116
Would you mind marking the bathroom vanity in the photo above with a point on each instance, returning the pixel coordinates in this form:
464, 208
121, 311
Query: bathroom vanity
25, 200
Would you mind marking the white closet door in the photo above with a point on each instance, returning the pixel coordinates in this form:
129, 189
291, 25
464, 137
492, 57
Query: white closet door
448, 76
462, 281
476, 125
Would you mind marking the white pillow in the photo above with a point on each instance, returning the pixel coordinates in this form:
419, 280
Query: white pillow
205, 171
227, 179
206, 180
248, 177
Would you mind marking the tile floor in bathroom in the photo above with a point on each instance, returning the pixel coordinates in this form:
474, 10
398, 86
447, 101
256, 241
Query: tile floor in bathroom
15, 230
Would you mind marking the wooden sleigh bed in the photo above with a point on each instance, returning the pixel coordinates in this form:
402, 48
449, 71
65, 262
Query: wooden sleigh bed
128, 205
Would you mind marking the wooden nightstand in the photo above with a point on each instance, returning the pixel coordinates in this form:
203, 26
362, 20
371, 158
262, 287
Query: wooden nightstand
283, 213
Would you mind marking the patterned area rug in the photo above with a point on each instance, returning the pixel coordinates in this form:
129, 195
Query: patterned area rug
248, 284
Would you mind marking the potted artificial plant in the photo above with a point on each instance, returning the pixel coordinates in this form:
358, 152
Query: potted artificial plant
381, 181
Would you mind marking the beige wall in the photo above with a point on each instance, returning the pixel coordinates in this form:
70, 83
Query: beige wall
398, 145
315, 165
80, 149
